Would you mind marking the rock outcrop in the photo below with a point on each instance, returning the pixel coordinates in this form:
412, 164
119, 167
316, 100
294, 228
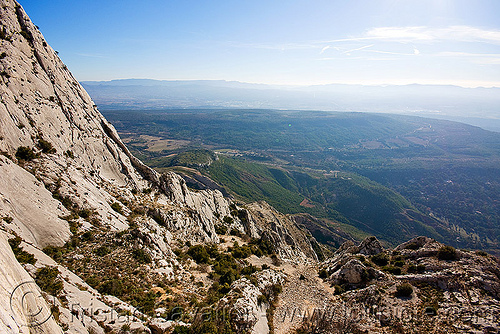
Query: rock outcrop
247, 303
289, 240
420, 286
370, 246
22, 308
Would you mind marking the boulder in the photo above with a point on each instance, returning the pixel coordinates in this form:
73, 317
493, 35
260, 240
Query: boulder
370, 246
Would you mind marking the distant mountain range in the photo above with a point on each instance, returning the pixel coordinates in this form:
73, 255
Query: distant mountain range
475, 106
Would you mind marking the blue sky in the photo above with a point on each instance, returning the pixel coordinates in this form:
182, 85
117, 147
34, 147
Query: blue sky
295, 42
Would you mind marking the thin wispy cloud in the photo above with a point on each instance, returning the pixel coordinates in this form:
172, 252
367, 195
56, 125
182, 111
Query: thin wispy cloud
429, 34
324, 49
412, 35
467, 54
358, 49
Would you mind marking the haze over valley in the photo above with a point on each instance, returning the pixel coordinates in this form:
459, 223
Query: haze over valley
476, 106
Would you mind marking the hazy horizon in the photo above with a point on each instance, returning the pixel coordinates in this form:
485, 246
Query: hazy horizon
385, 42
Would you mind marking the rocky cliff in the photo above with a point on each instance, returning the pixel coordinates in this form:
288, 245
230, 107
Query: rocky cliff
70, 187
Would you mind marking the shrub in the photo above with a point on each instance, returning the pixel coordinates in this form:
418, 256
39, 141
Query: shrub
45, 146
412, 246
3, 34
85, 213
141, 255
69, 154
25, 153
117, 207
220, 229
229, 277
381, 259
182, 330
111, 287
263, 244
430, 310
101, 251
26, 34
54, 252
248, 270
67, 202
447, 253
323, 273
241, 252
47, 280
275, 260
212, 250
399, 263
339, 290
87, 236
404, 290
392, 270
199, 254
261, 299
21, 255
235, 232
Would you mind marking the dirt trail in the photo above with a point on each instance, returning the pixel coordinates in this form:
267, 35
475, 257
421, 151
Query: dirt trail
300, 298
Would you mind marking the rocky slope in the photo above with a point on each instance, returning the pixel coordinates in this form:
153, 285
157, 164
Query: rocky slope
68, 185
421, 286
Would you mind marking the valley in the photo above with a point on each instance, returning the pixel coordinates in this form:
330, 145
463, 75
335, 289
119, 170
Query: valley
388, 175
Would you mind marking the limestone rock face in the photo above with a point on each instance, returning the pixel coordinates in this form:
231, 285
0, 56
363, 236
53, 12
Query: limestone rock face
42, 103
41, 99
345, 266
242, 302
352, 272
370, 246
34, 213
22, 309
290, 242
207, 208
